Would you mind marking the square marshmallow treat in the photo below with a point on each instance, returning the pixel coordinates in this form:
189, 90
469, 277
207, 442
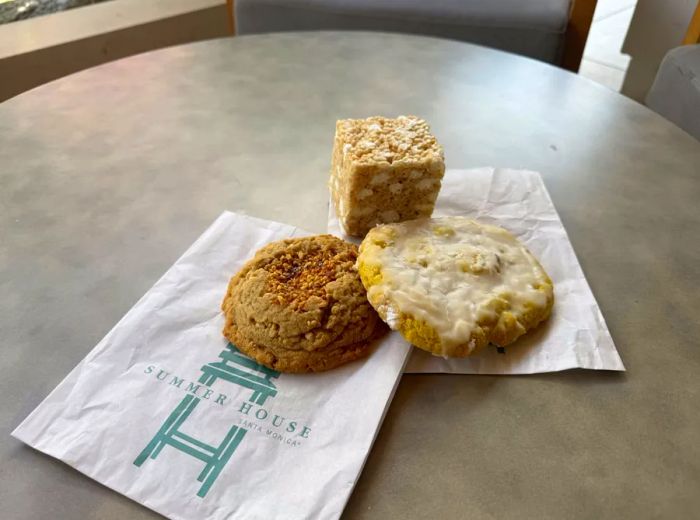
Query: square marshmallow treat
384, 170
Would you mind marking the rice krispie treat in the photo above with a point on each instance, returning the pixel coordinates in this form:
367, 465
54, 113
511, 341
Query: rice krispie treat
384, 170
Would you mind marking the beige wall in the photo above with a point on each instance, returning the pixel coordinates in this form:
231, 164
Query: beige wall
657, 26
42, 49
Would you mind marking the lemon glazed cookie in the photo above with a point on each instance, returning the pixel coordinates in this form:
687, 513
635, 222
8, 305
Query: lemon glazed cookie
452, 285
299, 306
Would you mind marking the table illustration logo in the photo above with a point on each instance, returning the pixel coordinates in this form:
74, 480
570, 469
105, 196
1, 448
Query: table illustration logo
232, 367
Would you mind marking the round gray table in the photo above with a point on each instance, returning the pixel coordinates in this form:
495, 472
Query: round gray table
108, 175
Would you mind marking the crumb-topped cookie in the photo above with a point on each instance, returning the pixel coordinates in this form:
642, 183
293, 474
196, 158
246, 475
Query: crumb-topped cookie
384, 170
452, 285
299, 306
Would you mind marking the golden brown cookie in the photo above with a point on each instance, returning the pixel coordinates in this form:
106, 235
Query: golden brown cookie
299, 306
452, 285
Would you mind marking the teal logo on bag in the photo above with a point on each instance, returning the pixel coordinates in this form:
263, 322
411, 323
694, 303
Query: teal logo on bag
232, 367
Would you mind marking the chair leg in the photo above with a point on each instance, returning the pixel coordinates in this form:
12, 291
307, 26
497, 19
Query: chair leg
580, 20
229, 11
693, 35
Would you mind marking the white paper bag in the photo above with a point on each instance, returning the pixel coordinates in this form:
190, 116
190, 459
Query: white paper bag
166, 412
575, 336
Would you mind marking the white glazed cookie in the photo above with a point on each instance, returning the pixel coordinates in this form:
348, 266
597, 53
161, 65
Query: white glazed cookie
452, 285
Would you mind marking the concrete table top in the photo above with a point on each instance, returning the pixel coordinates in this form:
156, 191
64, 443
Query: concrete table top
108, 175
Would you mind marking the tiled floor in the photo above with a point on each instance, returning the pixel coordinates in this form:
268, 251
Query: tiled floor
602, 60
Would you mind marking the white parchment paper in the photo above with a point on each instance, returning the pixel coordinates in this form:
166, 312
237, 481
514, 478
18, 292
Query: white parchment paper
576, 335
162, 401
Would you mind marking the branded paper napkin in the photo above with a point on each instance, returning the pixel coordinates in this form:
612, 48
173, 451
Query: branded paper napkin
168, 413
575, 336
